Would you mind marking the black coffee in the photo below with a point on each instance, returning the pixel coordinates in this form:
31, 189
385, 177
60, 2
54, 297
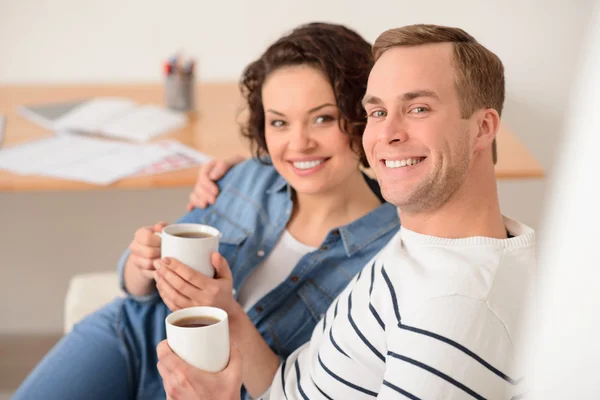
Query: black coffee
193, 235
195, 322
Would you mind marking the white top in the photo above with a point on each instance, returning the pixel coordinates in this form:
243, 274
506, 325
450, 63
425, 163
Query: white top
274, 270
427, 318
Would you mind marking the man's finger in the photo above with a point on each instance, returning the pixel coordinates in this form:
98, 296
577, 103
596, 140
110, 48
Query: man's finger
221, 266
163, 349
169, 359
206, 186
198, 201
235, 357
162, 370
208, 190
218, 170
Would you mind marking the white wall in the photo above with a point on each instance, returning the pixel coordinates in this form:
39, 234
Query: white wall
564, 323
127, 40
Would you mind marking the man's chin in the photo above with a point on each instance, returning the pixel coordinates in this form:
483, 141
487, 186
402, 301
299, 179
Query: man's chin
406, 199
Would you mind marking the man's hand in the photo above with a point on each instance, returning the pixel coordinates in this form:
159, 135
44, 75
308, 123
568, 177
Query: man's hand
206, 190
184, 382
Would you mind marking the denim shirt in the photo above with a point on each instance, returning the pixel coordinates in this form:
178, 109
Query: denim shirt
252, 211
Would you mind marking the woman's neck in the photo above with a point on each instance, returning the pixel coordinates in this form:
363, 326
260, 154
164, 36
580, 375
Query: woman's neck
315, 215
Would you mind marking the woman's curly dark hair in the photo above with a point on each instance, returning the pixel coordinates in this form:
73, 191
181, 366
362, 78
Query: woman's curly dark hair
340, 53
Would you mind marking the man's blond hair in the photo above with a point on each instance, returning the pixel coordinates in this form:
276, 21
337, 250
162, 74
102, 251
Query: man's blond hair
479, 72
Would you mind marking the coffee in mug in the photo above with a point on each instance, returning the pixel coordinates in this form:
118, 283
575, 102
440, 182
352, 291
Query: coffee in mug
196, 322
193, 235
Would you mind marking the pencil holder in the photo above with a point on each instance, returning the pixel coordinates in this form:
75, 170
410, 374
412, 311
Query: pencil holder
179, 92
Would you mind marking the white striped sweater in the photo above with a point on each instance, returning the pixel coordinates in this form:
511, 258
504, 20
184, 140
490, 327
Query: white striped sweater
427, 318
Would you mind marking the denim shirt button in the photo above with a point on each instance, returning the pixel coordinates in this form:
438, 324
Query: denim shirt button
258, 309
294, 279
260, 253
324, 248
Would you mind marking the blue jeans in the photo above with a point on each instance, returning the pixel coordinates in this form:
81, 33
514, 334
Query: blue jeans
111, 354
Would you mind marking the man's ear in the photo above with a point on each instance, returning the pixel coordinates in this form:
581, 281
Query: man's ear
488, 124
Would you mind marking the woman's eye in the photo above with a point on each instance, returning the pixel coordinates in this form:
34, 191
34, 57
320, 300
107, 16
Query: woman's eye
377, 114
323, 119
277, 123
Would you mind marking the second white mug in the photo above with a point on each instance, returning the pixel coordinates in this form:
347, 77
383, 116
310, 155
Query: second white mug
205, 347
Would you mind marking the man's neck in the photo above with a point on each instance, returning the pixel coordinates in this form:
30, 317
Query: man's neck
474, 210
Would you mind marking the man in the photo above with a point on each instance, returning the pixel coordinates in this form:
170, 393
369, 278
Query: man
435, 314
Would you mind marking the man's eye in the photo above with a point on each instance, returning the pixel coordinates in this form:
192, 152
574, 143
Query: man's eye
418, 110
378, 114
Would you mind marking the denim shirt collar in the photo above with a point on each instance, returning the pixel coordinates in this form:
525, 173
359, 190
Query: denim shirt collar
278, 185
357, 234
367, 229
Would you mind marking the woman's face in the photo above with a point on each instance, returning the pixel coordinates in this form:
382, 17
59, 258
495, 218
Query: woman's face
302, 131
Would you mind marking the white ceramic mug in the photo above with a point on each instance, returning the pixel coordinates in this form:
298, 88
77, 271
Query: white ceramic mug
205, 347
193, 252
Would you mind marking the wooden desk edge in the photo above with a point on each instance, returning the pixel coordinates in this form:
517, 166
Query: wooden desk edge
59, 185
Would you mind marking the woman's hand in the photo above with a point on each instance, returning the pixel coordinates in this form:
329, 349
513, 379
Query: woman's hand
145, 249
181, 287
139, 267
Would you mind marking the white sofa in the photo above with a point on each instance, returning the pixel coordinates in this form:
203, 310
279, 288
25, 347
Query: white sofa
87, 293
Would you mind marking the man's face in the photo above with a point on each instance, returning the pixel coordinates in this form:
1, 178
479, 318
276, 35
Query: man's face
415, 140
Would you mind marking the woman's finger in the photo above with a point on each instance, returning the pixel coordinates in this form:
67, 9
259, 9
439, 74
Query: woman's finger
193, 277
178, 283
144, 251
141, 262
170, 296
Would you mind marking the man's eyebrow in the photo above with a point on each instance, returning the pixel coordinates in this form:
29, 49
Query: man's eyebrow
368, 99
408, 96
415, 94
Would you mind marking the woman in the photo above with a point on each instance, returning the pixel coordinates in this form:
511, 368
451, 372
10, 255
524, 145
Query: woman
298, 222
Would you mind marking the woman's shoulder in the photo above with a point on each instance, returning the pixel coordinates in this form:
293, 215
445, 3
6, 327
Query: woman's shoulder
251, 175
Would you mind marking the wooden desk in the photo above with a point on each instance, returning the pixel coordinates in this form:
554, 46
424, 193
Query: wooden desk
213, 130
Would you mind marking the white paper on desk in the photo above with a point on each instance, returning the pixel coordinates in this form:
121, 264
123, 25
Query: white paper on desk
92, 115
143, 123
180, 157
176, 147
80, 158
